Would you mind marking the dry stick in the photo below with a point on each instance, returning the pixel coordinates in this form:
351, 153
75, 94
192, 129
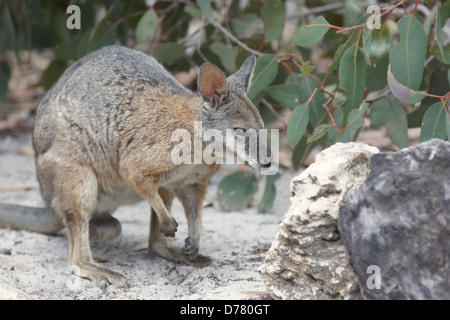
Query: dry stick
237, 41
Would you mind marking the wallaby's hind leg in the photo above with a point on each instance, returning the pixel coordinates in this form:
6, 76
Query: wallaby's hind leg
161, 245
104, 227
75, 199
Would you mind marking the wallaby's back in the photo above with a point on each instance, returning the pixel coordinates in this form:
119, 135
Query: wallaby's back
93, 113
95, 95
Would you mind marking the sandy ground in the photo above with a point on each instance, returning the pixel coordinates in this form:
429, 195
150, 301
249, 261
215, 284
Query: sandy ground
37, 264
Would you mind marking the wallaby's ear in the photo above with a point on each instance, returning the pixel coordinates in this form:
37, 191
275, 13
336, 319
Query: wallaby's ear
212, 83
245, 73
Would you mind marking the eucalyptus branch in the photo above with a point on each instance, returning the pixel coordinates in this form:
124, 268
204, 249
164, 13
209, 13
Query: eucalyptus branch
236, 40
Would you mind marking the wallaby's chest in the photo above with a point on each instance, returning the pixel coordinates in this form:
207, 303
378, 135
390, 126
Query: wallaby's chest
183, 175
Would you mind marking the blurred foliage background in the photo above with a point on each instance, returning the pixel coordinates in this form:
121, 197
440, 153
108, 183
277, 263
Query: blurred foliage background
322, 75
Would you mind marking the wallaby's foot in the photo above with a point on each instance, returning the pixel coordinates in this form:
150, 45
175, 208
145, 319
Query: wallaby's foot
100, 276
104, 227
172, 253
168, 227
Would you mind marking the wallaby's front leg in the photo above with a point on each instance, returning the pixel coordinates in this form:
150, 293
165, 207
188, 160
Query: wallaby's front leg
147, 187
192, 197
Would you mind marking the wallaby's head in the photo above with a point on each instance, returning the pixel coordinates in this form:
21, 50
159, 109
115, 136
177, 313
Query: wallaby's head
226, 107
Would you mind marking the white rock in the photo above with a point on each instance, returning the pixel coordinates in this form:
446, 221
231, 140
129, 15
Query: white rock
308, 259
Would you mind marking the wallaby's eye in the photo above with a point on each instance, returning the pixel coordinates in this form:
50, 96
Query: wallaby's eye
239, 131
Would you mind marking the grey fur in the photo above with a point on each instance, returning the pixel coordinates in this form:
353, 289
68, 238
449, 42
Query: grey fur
102, 139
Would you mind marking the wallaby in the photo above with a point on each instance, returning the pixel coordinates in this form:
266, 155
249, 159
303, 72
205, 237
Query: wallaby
102, 138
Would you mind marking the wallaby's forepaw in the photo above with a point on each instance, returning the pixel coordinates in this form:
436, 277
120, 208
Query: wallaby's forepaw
169, 227
190, 250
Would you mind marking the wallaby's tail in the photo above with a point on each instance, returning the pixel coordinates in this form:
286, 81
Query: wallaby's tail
39, 220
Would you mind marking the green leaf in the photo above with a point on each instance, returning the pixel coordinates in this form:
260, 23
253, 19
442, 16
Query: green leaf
146, 27
438, 35
306, 68
297, 124
193, 11
9, 31
101, 31
267, 192
396, 124
341, 50
5, 73
226, 54
274, 20
352, 11
64, 51
310, 34
378, 113
436, 52
246, 25
54, 70
355, 119
316, 109
434, 123
447, 121
300, 153
401, 92
205, 5
408, 57
352, 77
235, 190
377, 43
376, 75
266, 69
168, 52
319, 132
287, 94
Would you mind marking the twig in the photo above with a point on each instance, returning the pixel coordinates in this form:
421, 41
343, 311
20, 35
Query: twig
237, 41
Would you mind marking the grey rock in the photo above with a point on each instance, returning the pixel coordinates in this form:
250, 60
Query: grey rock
308, 259
399, 222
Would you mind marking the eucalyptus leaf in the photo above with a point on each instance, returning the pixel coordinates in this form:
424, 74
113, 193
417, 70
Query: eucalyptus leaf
403, 93
168, 52
352, 77
5, 73
310, 34
227, 55
267, 192
434, 123
437, 53
274, 19
205, 5
438, 35
266, 69
297, 124
287, 94
146, 27
235, 190
408, 57
319, 132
